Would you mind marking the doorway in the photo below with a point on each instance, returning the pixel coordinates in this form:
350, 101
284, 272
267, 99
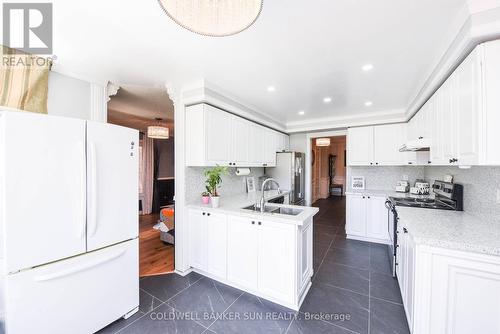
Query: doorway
328, 167
151, 111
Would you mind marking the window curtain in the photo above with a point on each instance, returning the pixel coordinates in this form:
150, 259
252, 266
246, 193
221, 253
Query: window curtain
148, 173
24, 80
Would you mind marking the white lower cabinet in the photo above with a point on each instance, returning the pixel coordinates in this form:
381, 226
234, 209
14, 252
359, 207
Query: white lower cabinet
448, 291
270, 259
367, 218
207, 240
242, 241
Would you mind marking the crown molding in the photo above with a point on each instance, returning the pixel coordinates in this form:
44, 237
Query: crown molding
206, 92
342, 122
481, 26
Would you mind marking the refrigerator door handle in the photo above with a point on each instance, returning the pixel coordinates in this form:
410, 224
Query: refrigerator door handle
83, 199
77, 269
93, 190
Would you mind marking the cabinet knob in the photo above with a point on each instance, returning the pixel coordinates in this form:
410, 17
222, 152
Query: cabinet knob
203, 213
253, 223
260, 223
363, 196
371, 163
376, 163
208, 214
429, 162
405, 230
420, 137
410, 163
368, 196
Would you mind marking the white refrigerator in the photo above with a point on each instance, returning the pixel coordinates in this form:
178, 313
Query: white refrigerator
68, 224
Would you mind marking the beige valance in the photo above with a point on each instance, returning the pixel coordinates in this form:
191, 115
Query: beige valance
25, 80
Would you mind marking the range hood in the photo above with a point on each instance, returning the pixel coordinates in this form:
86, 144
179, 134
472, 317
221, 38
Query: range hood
417, 145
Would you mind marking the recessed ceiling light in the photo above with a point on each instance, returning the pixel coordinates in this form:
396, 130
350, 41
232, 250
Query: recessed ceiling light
271, 89
367, 67
302, 112
368, 103
327, 99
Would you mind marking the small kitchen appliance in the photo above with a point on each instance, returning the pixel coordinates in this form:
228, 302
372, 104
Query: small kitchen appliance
402, 186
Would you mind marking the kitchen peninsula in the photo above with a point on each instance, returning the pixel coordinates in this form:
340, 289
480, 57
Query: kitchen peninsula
268, 254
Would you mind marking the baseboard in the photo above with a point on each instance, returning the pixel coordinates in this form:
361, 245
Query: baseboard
368, 239
183, 273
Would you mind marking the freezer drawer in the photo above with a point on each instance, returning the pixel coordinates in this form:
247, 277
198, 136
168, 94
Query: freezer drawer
78, 295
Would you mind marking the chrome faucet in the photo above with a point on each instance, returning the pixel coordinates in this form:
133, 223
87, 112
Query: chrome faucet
262, 199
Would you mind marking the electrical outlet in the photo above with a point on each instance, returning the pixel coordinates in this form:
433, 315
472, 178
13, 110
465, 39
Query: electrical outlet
405, 177
498, 196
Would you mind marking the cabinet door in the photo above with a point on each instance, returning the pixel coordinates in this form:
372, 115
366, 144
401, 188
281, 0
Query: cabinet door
269, 147
216, 244
465, 292
356, 215
256, 143
218, 136
410, 279
436, 149
449, 120
360, 146
240, 138
197, 239
468, 110
387, 141
276, 260
242, 251
377, 218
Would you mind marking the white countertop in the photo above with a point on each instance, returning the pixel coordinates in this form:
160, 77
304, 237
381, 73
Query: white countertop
234, 205
452, 229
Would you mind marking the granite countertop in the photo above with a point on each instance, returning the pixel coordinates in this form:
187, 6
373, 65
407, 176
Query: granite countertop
451, 229
234, 205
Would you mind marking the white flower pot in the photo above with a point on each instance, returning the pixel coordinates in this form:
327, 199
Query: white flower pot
215, 201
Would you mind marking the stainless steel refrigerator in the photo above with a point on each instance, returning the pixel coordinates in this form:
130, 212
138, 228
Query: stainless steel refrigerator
290, 174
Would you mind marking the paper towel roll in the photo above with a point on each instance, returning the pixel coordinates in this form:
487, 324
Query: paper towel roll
242, 171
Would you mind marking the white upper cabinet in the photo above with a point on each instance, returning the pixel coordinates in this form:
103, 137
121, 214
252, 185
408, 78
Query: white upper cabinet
387, 141
360, 146
461, 120
215, 137
240, 139
489, 120
376, 145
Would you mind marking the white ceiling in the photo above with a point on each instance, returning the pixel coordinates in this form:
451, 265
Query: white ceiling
306, 49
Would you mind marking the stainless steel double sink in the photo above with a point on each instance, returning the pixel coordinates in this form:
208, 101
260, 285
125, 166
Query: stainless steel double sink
275, 209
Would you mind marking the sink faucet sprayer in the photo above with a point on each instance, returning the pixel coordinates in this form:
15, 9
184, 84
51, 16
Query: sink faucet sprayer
262, 200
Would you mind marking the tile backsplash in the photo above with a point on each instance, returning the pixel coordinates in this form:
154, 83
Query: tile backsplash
231, 184
481, 184
480, 187
384, 177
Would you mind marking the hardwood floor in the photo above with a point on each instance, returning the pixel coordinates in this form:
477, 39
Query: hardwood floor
155, 257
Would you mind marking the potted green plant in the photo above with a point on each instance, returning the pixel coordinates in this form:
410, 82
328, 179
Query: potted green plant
205, 196
214, 179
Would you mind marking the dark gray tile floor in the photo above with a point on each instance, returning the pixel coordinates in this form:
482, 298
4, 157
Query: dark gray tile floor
352, 292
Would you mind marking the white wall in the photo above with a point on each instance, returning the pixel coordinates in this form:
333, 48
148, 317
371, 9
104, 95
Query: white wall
68, 96
298, 142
